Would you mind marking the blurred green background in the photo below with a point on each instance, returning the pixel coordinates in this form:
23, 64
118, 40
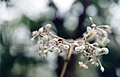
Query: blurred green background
18, 18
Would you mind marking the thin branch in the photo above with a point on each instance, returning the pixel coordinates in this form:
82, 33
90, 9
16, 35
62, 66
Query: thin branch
67, 60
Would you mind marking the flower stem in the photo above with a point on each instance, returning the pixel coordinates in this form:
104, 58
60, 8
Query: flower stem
67, 60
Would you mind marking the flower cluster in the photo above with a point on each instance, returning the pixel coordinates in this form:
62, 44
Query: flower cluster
47, 41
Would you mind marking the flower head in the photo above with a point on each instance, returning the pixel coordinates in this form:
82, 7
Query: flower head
90, 52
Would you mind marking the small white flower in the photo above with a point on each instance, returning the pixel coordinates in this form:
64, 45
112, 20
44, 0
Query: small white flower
34, 33
82, 47
105, 50
93, 62
76, 43
83, 65
48, 41
89, 29
103, 42
77, 48
48, 26
45, 51
108, 29
95, 44
53, 42
105, 33
41, 29
93, 25
66, 46
91, 32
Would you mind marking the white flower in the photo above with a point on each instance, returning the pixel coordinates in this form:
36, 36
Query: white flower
93, 25
91, 31
48, 26
45, 51
34, 33
76, 43
77, 48
41, 29
95, 44
83, 65
90, 53
103, 42
108, 29
105, 50
53, 42
66, 46
82, 47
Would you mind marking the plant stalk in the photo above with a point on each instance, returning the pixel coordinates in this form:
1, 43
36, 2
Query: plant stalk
67, 60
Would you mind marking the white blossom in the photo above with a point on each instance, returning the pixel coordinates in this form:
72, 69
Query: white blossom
91, 52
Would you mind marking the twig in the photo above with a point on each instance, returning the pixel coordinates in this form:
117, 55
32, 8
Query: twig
67, 60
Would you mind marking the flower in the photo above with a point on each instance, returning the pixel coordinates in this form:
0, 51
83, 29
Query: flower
83, 65
77, 48
102, 69
89, 52
105, 50
48, 26
66, 46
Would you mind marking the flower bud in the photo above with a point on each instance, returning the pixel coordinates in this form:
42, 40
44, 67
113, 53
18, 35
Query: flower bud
93, 25
102, 68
